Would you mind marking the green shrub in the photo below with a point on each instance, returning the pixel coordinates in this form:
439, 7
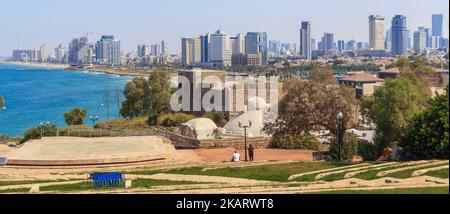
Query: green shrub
75, 116
296, 141
349, 148
217, 117
36, 132
368, 151
173, 120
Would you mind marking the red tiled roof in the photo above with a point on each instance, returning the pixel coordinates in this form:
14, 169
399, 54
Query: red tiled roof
363, 77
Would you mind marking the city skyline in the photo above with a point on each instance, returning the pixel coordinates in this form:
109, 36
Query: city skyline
178, 21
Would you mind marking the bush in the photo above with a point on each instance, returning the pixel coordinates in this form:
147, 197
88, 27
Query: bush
217, 117
35, 133
368, 151
172, 120
348, 149
296, 141
75, 116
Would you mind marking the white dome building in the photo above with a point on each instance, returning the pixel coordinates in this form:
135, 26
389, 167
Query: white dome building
256, 103
200, 128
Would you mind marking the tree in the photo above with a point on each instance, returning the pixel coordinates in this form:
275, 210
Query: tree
147, 97
160, 92
428, 135
37, 132
391, 108
117, 97
313, 105
75, 116
134, 98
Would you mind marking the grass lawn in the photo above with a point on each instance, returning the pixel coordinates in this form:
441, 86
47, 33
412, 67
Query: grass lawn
21, 190
139, 183
443, 173
278, 172
9, 183
431, 190
407, 173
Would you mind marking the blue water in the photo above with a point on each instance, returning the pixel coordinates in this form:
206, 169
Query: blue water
35, 95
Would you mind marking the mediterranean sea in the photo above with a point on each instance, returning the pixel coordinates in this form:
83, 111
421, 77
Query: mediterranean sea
35, 95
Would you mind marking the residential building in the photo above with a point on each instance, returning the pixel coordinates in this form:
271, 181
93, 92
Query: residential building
376, 32
108, 51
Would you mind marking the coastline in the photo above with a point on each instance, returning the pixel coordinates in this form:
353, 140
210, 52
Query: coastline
37, 65
67, 67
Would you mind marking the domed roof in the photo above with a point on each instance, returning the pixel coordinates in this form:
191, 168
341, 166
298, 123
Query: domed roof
256, 103
256, 117
201, 124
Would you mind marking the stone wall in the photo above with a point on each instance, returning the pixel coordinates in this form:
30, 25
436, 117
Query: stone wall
238, 143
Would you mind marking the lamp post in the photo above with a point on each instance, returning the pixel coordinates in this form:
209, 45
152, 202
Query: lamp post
93, 119
340, 117
98, 110
42, 125
245, 127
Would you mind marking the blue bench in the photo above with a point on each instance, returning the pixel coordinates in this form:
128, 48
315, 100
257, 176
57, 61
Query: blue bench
107, 179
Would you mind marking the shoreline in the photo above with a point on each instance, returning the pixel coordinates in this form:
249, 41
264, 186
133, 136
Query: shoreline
37, 65
69, 68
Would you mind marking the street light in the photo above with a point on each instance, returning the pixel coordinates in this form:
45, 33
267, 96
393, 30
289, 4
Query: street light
93, 119
245, 135
98, 110
340, 117
43, 126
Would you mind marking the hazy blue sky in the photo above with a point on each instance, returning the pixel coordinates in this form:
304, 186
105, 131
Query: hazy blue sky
31, 23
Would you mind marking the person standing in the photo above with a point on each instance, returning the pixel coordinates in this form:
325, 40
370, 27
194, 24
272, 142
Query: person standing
250, 152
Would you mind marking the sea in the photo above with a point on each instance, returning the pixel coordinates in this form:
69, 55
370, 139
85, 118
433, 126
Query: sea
40, 95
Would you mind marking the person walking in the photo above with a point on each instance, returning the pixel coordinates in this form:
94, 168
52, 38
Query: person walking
250, 152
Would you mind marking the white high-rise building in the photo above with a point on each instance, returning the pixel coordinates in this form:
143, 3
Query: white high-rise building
376, 32
420, 41
238, 44
108, 51
60, 53
164, 48
220, 49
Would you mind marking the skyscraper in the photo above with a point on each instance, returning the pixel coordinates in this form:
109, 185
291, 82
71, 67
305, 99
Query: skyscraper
108, 50
60, 54
190, 51
437, 24
376, 32
155, 49
220, 49
420, 41
428, 35
256, 43
143, 50
238, 44
327, 42
399, 35
205, 46
164, 48
341, 45
305, 41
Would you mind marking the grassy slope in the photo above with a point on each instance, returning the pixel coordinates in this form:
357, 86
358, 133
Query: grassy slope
279, 172
139, 183
431, 190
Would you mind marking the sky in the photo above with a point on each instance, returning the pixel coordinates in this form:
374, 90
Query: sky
28, 24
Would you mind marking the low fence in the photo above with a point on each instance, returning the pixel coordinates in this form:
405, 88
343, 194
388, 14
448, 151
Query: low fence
92, 133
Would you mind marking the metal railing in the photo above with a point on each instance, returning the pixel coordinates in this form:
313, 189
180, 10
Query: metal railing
94, 133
